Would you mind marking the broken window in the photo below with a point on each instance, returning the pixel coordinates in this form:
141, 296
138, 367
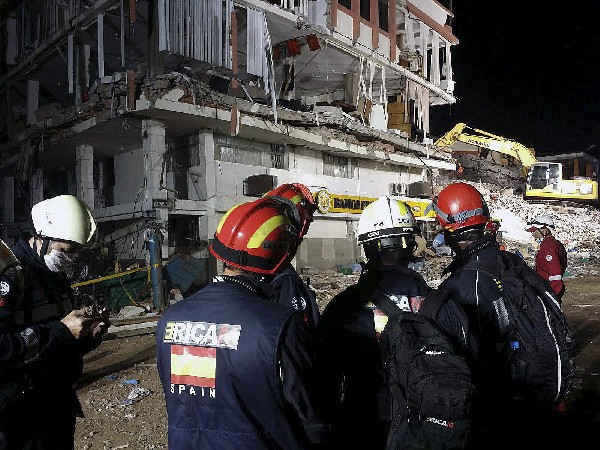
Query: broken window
244, 151
339, 166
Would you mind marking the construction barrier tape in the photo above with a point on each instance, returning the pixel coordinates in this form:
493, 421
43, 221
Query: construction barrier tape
116, 275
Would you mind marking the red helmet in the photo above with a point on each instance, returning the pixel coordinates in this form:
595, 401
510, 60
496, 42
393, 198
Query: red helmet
459, 206
301, 196
257, 236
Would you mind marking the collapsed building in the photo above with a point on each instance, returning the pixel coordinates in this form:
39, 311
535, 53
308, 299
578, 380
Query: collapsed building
163, 114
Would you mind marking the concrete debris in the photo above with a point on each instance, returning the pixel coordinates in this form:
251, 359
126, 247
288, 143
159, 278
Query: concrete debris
46, 111
174, 95
327, 283
109, 98
136, 394
577, 227
488, 171
131, 311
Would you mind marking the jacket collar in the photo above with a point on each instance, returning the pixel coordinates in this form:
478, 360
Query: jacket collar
472, 249
258, 287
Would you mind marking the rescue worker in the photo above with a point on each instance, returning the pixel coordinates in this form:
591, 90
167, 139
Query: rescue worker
48, 338
289, 288
351, 324
464, 215
236, 368
551, 258
11, 293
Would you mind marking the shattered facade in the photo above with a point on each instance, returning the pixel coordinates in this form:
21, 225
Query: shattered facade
165, 113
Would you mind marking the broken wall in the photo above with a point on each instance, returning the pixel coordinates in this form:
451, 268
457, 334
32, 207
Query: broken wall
129, 177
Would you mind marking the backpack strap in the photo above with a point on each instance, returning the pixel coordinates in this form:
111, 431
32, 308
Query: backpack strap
433, 302
488, 267
382, 300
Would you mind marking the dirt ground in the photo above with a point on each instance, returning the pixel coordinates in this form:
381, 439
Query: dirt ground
109, 424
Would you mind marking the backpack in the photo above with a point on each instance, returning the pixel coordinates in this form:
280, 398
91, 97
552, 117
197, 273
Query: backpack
430, 384
540, 342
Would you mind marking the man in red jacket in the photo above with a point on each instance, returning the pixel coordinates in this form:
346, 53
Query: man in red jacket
551, 258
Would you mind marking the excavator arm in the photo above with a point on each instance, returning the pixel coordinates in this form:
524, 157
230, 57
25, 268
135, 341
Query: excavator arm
474, 136
544, 179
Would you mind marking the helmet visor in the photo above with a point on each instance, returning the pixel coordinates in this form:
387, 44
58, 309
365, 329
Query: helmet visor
460, 217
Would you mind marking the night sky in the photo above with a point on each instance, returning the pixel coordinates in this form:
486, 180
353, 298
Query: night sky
533, 76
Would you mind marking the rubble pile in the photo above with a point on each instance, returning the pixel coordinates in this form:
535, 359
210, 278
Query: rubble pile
331, 121
477, 168
431, 269
577, 226
328, 283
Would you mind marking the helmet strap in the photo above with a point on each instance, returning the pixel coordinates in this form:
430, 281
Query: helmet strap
45, 245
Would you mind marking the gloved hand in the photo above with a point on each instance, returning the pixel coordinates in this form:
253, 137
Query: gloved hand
78, 323
101, 324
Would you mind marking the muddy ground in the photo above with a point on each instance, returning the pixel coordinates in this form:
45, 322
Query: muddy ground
109, 424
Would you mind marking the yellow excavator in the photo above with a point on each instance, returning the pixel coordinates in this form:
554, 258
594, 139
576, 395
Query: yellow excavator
544, 180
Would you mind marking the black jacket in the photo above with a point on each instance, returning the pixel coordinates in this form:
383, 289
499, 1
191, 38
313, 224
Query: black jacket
350, 355
478, 292
41, 360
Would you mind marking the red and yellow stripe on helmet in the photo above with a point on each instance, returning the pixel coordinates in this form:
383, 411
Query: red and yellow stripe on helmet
258, 236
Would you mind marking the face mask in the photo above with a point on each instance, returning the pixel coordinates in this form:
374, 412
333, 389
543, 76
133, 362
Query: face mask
58, 261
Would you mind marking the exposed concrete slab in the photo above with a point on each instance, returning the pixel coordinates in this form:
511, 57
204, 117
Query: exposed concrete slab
187, 117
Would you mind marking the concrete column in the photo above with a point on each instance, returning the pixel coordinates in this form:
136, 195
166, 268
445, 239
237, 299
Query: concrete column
33, 91
84, 174
36, 186
100, 198
154, 146
162, 217
205, 181
8, 199
206, 186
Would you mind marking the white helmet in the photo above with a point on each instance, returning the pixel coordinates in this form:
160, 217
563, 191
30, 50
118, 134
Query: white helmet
64, 217
541, 221
385, 218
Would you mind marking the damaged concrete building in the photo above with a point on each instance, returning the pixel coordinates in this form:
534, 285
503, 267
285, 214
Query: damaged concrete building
165, 113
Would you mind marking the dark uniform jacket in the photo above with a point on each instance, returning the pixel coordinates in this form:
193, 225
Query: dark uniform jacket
349, 351
291, 290
237, 371
41, 360
494, 409
478, 292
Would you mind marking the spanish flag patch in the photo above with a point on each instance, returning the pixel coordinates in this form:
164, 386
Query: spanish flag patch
195, 366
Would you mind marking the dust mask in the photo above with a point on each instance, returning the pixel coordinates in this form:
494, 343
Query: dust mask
58, 261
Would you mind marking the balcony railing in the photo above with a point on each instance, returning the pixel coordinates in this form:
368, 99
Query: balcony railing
298, 7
